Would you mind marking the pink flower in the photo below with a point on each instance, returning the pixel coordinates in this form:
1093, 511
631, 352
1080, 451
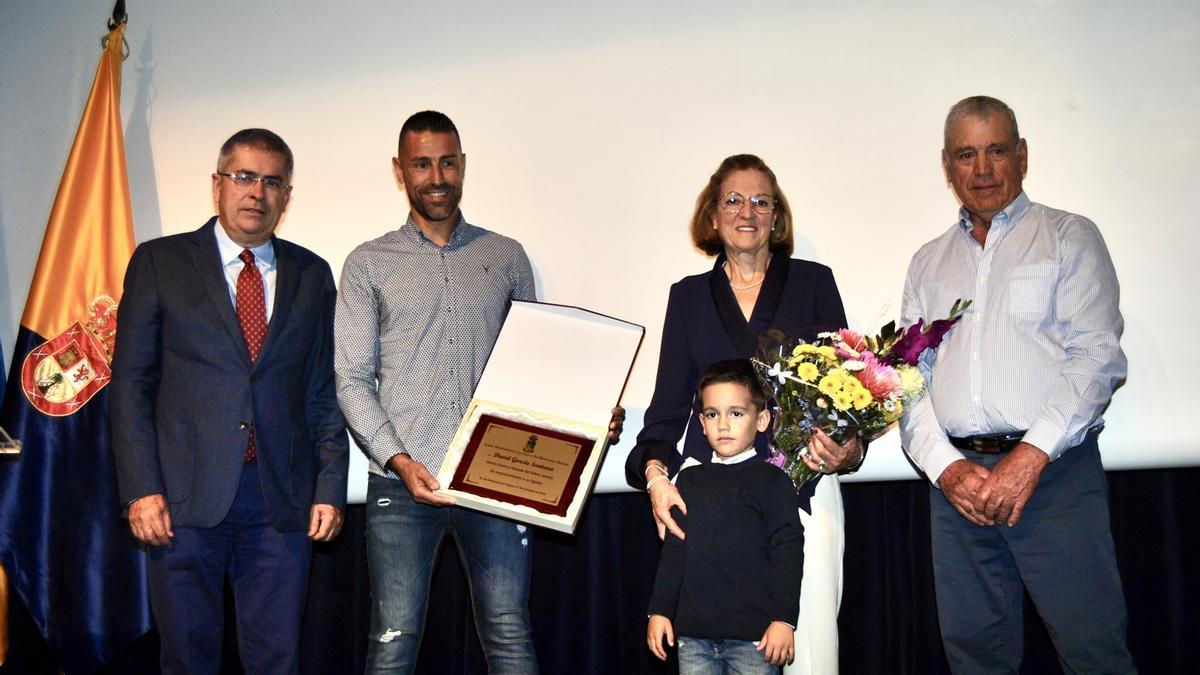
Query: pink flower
850, 344
878, 378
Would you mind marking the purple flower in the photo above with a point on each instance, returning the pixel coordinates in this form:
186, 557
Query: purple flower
919, 337
777, 458
938, 329
914, 341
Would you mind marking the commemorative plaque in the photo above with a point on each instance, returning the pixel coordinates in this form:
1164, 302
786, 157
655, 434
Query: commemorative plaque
522, 464
533, 438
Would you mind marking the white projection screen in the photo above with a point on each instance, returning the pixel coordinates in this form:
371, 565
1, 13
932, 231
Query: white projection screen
590, 127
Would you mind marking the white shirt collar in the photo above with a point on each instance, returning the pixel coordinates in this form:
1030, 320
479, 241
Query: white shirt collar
1009, 215
230, 250
749, 453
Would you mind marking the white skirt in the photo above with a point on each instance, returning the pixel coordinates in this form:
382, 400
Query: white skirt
821, 589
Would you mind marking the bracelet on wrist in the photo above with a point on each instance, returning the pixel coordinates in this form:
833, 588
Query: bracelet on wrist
862, 457
657, 467
654, 480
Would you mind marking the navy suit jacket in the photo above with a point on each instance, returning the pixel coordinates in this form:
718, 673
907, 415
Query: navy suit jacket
704, 324
185, 394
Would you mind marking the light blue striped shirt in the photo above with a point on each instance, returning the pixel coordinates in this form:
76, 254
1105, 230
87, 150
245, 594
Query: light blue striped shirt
1038, 350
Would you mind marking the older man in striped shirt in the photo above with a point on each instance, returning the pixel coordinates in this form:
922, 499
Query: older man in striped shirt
1007, 435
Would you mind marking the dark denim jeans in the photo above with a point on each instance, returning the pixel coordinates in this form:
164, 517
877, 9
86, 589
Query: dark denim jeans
403, 538
722, 657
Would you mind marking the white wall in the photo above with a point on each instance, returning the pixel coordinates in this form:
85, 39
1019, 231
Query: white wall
591, 127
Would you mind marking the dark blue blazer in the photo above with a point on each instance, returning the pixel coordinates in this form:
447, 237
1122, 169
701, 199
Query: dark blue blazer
185, 395
704, 325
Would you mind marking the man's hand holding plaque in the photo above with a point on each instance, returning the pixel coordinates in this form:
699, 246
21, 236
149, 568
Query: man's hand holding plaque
420, 483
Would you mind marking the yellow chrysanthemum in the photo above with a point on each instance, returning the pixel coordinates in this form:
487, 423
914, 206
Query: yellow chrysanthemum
862, 398
827, 352
843, 400
807, 371
837, 375
830, 385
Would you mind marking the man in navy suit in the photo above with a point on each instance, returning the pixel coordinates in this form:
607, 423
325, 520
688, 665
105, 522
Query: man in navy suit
231, 450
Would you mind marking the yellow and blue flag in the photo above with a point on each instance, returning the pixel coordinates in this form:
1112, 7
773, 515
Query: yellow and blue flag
68, 553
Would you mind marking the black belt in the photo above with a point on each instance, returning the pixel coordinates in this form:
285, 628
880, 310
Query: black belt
991, 444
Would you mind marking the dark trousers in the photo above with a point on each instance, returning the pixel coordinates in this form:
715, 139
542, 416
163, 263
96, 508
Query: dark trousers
1061, 552
268, 571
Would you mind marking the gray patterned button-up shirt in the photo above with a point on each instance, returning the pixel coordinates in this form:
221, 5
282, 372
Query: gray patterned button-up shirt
414, 327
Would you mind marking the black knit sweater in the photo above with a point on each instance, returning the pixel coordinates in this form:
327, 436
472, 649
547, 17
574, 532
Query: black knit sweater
740, 566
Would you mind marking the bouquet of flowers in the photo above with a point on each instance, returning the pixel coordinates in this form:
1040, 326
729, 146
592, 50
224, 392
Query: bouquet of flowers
845, 383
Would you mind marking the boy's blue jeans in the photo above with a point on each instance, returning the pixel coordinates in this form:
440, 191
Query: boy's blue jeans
722, 657
403, 538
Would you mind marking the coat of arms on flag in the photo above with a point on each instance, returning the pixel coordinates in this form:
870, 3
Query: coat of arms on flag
62, 374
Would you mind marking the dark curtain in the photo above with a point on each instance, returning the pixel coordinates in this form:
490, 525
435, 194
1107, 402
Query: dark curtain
590, 591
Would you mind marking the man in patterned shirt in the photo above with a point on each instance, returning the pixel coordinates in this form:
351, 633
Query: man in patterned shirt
1008, 432
418, 312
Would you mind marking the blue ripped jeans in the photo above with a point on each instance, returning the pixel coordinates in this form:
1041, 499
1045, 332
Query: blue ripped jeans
721, 657
403, 538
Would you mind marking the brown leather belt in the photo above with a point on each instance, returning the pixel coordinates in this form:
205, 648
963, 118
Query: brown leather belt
991, 444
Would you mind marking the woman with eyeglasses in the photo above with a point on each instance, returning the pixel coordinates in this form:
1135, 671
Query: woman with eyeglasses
742, 218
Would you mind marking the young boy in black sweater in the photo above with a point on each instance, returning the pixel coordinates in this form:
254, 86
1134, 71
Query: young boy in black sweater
731, 589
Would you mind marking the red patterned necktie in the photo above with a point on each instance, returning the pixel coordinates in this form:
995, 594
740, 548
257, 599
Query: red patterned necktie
252, 315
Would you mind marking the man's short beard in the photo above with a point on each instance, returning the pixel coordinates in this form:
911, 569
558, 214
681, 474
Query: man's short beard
418, 205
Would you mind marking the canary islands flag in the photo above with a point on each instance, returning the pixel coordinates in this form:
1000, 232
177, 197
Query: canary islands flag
68, 553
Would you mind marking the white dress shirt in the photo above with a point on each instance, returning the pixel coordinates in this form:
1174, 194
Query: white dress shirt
1038, 350
264, 259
